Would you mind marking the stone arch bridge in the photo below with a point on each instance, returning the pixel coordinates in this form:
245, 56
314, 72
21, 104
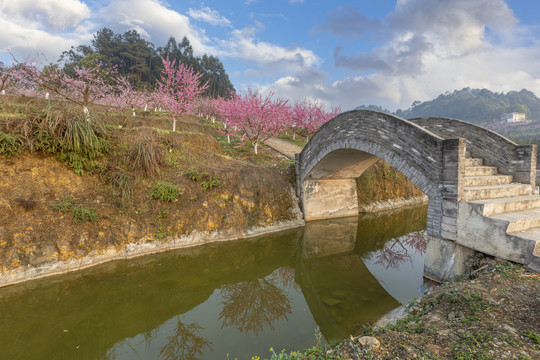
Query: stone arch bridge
480, 185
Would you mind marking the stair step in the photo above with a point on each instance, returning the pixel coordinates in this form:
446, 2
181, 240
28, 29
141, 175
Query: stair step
519, 221
496, 191
473, 162
504, 205
487, 180
531, 234
480, 170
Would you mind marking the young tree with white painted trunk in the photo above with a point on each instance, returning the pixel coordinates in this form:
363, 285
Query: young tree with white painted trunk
178, 88
254, 117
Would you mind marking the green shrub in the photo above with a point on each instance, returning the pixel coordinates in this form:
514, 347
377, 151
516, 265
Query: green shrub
10, 145
164, 191
207, 181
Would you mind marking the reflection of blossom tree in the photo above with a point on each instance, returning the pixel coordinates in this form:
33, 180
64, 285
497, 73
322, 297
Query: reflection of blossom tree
249, 305
394, 253
186, 343
285, 277
417, 241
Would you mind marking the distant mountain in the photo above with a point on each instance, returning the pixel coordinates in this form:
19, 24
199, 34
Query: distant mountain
479, 106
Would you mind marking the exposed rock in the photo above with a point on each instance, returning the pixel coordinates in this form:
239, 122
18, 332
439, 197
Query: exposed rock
369, 342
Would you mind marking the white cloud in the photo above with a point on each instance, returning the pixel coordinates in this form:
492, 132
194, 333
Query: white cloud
425, 48
210, 16
270, 58
45, 14
153, 19
48, 27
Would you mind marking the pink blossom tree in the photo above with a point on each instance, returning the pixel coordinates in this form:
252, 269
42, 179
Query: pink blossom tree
311, 115
254, 117
14, 79
124, 96
178, 88
86, 87
8, 78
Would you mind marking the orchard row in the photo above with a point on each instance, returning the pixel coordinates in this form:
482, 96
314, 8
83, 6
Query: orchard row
249, 116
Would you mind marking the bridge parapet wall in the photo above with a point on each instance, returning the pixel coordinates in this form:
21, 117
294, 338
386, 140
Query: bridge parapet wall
431, 162
496, 150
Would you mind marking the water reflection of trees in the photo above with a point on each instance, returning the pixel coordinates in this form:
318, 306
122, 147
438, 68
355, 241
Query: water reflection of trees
396, 251
185, 343
285, 277
250, 305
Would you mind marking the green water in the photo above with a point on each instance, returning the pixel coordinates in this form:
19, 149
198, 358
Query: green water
238, 298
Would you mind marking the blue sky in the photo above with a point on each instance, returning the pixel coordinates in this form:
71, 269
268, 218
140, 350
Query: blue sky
348, 53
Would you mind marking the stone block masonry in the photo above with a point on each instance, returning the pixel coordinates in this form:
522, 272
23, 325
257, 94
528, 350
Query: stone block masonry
435, 155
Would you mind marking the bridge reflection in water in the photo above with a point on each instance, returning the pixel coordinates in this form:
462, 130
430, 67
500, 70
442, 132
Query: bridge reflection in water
238, 298
358, 284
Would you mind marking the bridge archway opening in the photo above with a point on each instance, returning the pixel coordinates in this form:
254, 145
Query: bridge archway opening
330, 187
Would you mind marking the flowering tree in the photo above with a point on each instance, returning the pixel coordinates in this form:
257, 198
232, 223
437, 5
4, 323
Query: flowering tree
87, 86
178, 88
13, 78
208, 107
311, 115
7, 78
253, 117
125, 96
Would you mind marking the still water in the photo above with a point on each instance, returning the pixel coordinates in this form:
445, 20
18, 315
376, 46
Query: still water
237, 298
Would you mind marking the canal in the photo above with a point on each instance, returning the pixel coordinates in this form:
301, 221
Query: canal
237, 299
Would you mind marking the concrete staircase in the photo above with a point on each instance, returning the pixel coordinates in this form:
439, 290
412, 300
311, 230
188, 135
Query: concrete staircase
505, 214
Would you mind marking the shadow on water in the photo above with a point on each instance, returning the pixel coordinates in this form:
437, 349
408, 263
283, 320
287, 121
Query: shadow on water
200, 303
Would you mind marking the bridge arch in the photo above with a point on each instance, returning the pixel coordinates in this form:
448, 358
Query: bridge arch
346, 146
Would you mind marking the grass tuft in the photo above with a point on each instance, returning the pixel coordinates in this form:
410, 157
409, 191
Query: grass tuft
164, 191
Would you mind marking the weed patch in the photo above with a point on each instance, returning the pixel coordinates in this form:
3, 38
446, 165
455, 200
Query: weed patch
10, 145
83, 214
122, 182
164, 191
206, 180
146, 155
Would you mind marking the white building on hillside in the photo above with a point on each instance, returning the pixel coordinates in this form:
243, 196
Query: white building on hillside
513, 117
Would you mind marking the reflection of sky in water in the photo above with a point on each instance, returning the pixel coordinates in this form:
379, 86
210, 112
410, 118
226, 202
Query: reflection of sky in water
405, 283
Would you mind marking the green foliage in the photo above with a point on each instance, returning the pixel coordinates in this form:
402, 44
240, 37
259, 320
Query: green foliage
507, 269
472, 346
140, 60
161, 233
75, 161
64, 204
410, 324
473, 303
164, 191
83, 214
531, 335
81, 137
206, 180
10, 145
